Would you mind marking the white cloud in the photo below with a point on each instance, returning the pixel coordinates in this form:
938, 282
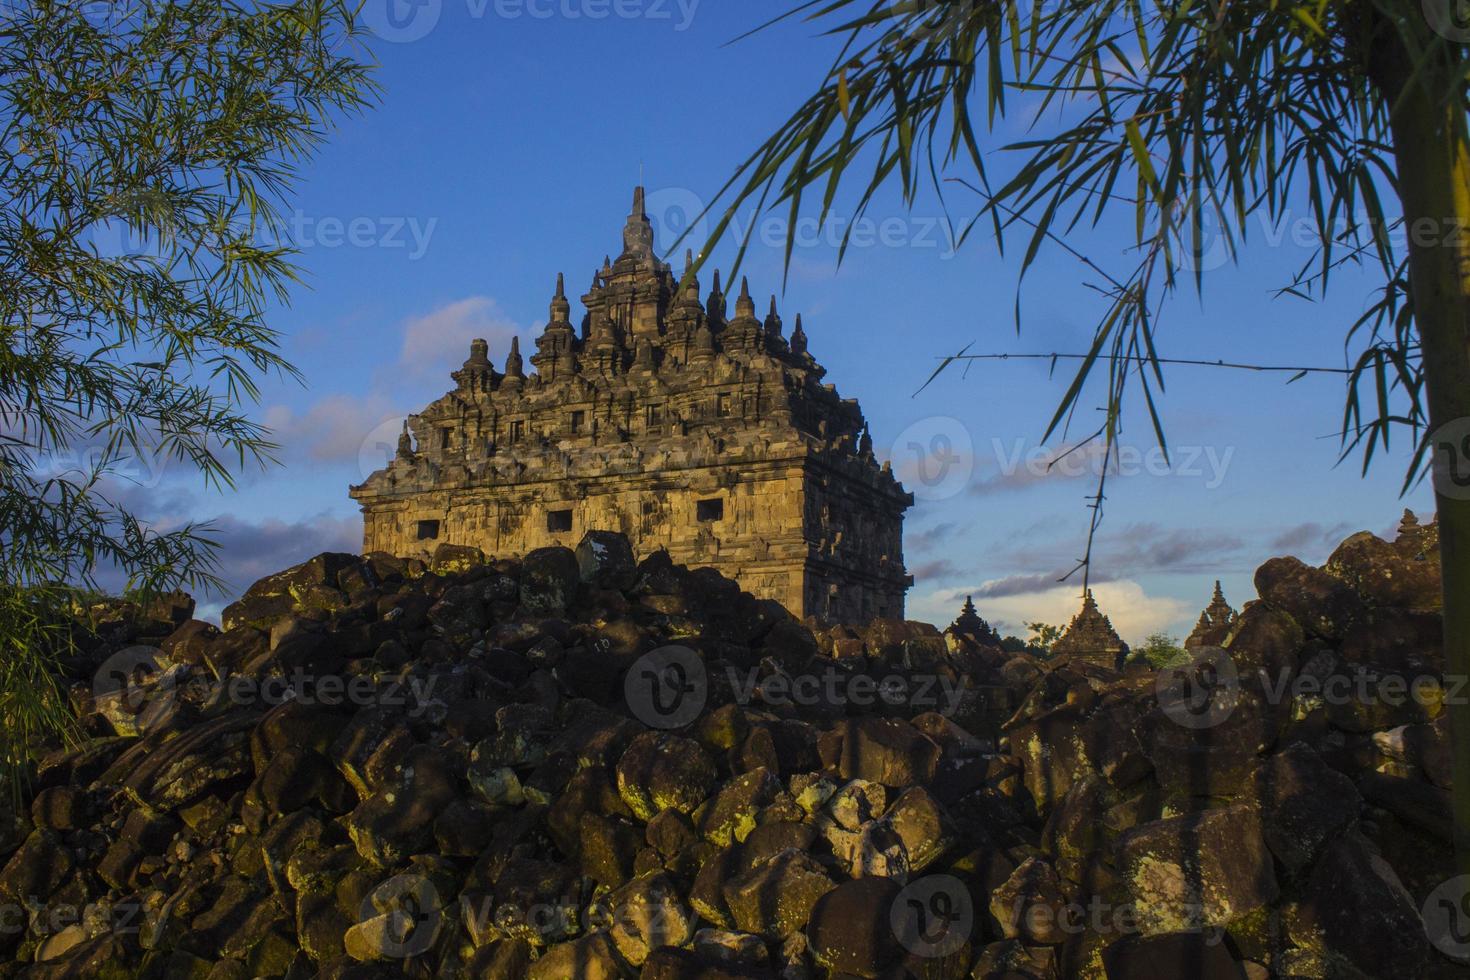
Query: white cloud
334, 428
1133, 612
438, 342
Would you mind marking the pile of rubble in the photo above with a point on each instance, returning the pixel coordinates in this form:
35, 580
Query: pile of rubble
582, 765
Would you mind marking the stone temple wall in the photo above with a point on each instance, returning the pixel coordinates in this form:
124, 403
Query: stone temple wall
662, 418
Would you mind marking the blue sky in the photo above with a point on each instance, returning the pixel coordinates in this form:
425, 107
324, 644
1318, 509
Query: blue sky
505, 149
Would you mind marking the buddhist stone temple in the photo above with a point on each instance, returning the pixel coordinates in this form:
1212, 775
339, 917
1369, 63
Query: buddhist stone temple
1214, 623
1091, 638
970, 623
661, 416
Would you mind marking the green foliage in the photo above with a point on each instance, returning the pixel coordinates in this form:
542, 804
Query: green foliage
35, 634
148, 149
1161, 650
1043, 636
1186, 116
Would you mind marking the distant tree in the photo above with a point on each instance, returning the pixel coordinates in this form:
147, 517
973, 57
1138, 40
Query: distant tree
148, 148
1013, 644
1189, 118
1043, 636
1160, 650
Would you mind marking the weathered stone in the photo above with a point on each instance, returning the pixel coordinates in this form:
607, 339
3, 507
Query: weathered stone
609, 846
61, 808
397, 820
1201, 869
645, 914
923, 826
660, 771
851, 928
1386, 574
730, 814
1030, 905
508, 959
1073, 832
1303, 804
888, 751
1264, 639
1177, 954
450, 559
172, 772
777, 896
1324, 606
672, 963
1358, 914
606, 561
592, 957
549, 580
1417, 803
298, 777
37, 869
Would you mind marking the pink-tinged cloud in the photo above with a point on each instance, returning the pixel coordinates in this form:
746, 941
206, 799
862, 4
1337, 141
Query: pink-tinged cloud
335, 428
438, 342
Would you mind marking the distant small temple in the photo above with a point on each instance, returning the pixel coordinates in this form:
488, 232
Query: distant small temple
1214, 623
658, 415
970, 624
1091, 638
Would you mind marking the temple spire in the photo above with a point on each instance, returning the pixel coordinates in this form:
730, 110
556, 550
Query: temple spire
715, 307
561, 308
514, 367
638, 232
691, 288
773, 320
1091, 638
970, 624
1214, 623
744, 305
798, 337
